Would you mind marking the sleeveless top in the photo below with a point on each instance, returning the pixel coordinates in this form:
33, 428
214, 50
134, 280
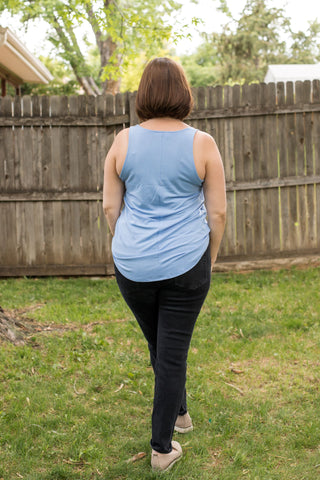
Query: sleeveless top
162, 230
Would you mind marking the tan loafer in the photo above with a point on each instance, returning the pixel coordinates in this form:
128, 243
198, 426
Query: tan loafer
161, 462
183, 423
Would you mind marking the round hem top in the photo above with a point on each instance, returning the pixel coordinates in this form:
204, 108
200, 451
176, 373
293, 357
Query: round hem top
162, 230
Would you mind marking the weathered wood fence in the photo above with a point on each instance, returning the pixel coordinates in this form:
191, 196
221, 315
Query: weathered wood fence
52, 151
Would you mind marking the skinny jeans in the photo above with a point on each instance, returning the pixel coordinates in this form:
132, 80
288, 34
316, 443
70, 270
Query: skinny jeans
166, 312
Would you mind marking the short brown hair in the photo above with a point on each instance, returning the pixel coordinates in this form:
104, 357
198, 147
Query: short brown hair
163, 91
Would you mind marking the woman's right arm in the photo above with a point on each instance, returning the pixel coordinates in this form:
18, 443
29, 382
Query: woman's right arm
113, 187
214, 188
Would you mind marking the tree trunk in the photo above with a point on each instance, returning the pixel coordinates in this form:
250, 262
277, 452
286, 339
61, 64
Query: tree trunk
89, 86
107, 48
111, 86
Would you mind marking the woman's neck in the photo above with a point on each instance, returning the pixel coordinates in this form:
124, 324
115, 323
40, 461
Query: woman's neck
164, 123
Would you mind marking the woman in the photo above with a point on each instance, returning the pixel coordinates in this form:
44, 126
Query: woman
166, 238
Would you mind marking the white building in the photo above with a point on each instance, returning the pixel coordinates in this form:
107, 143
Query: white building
17, 64
292, 73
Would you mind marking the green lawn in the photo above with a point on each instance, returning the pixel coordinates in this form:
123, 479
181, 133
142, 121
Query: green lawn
76, 400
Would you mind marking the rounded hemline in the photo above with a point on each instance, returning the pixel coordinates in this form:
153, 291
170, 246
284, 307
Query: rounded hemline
166, 277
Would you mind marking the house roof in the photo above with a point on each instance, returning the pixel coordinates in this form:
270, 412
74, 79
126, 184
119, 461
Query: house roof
17, 64
292, 73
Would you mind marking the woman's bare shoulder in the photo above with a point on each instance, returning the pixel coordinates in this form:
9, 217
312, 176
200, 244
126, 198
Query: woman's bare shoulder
119, 148
122, 136
205, 146
204, 139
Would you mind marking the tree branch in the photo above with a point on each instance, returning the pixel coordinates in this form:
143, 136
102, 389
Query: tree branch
106, 46
75, 58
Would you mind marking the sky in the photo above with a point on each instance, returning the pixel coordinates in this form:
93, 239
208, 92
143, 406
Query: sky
300, 12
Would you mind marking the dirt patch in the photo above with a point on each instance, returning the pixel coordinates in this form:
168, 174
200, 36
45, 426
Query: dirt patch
273, 264
18, 328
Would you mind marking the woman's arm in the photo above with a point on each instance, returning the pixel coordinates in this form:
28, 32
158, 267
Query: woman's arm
113, 187
214, 189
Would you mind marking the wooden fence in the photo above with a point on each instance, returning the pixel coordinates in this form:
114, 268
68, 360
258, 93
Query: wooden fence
52, 151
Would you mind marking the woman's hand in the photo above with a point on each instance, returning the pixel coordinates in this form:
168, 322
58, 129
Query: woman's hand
213, 263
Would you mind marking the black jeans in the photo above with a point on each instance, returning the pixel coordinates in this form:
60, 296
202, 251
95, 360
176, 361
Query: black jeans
166, 311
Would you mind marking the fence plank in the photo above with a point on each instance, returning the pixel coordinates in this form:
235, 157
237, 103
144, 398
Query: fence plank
306, 194
56, 146
7, 234
256, 125
20, 234
57, 223
7, 180
7, 149
282, 162
317, 210
287, 168
101, 142
48, 227
241, 171
75, 237
46, 148
273, 242
229, 239
31, 226
316, 160
85, 233
39, 233
201, 105
4, 235
248, 171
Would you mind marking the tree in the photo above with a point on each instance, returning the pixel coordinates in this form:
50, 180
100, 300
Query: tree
305, 47
121, 30
200, 67
262, 35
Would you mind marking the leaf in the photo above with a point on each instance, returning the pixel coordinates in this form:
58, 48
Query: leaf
120, 388
136, 457
237, 371
236, 388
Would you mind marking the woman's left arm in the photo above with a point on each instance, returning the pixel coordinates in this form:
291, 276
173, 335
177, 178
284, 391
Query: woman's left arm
113, 188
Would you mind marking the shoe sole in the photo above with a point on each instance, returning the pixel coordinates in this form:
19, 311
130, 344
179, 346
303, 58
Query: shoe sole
183, 430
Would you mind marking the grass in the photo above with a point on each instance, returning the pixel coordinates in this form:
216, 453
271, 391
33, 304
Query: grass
75, 402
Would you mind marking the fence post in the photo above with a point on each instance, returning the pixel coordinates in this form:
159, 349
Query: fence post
134, 119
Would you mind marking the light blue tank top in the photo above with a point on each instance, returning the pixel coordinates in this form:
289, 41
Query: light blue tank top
162, 231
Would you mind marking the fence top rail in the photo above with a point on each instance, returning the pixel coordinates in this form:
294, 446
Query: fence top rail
124, 119
67, 121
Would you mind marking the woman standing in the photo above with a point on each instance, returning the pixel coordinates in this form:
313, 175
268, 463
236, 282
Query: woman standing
170, 178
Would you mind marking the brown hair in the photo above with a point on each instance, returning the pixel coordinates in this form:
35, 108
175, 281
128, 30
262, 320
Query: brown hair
163, 91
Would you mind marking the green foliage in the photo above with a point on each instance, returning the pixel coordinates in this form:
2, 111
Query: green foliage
262, 35
122, 30
305, 47
63, 83
131, 78
199, 66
